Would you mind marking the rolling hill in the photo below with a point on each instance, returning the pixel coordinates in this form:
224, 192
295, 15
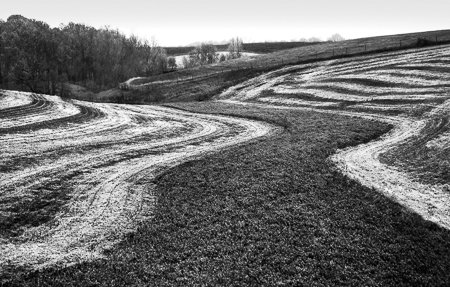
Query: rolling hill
321, 171
201, 83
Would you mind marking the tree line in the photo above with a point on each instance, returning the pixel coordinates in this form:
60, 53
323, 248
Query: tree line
38, 58
206, 53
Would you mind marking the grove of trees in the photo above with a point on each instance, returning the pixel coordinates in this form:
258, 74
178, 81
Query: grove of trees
38, 58
235, 48
206, 53
203, 54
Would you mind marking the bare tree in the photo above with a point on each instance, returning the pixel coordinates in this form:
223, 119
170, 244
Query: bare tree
189, 62
171, 63
203, 54
236, 47
336, 38
156, 61
36, 57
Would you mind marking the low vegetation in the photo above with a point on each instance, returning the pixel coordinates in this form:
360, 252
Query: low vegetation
77, 177
192, 89
275, 212
407, 89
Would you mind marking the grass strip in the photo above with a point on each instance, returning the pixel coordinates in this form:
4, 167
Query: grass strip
274, 212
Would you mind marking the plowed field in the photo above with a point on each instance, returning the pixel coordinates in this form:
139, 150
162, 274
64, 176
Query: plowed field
409, 89
76, 176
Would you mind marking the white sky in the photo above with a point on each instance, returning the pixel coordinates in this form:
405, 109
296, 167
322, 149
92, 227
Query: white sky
180, 22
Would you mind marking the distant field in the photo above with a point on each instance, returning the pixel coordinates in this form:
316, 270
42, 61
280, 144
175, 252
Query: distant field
258, 48
202, 82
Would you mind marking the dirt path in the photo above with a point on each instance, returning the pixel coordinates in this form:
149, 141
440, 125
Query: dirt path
110, 162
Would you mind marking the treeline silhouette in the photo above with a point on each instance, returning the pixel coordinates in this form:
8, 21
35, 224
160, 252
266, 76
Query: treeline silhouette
37, 58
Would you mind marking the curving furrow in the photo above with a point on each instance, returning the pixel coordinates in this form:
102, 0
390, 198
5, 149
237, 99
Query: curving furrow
408, 89
93, 177
42, 109
369, 83
426, 154
363, 164
85, 114
36, 105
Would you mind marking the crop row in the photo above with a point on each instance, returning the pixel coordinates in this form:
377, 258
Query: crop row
408, 89
72, 185
392, 78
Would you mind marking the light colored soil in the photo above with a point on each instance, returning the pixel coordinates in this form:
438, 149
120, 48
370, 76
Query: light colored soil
112, 191
362, 163
54, 108
120, 149
322, 79
399, 80
12, 99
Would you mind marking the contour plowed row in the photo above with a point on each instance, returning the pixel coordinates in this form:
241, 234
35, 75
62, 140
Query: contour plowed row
408, 89
72, 189
362, 81
36, 105
42, 109
85, 114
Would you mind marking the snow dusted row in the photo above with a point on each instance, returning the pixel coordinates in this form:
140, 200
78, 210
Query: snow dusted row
392, 77
100, 163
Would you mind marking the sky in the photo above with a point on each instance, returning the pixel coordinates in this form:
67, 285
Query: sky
179, 23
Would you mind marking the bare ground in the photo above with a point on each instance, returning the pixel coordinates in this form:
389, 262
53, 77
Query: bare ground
403, 89
105, 166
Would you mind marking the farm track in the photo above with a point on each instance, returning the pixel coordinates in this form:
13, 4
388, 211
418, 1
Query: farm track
73, 183
409, 90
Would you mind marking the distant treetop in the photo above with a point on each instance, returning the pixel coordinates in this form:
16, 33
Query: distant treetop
336, 38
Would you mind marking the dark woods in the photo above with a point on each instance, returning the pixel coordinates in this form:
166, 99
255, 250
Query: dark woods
37, 58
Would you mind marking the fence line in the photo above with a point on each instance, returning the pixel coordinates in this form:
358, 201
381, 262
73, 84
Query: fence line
315, 56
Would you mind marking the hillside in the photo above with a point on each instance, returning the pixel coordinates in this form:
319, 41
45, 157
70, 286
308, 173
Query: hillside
201, 83
352, 187
79, 156
408, 89
329, 171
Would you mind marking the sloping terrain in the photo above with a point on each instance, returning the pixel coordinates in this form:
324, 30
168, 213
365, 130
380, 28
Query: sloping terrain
202, 82
76, 176
325, 201
408, 89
